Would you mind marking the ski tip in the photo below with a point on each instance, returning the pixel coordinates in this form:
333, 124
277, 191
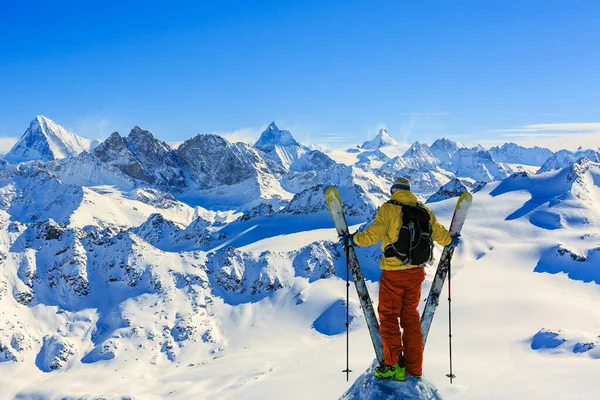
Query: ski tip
331, 191
466, 197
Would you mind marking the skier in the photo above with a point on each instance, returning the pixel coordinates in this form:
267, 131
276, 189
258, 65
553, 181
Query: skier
400, 285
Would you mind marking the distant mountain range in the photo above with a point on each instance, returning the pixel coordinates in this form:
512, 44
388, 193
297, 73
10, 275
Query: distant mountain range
203, 166
131, 251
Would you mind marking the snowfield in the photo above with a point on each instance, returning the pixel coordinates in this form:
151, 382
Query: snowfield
125, 272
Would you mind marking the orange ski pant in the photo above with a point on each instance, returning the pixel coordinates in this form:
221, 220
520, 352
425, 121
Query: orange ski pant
399, 296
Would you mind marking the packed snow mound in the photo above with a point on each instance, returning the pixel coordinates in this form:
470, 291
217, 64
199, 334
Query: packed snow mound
367, 387
383, 139
558, 341
581, 266
313, 160
512, 153
565, 158
45, 140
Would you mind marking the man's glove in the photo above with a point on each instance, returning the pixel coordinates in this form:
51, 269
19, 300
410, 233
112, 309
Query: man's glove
347, 240
455, 242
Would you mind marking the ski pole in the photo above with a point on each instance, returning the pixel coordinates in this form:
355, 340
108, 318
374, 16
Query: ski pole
347, 370
450, 375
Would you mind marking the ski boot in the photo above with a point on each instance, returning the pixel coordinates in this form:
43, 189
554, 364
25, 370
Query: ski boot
395, 372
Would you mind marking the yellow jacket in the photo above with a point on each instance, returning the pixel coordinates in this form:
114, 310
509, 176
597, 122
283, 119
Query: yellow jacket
386, 227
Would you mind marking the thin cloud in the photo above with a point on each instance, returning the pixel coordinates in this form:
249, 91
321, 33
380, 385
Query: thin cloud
563, 128
7, 143
244, 135
555, 136
93, 127
424, 113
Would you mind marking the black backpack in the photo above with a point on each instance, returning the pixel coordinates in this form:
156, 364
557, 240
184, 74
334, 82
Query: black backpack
415, 244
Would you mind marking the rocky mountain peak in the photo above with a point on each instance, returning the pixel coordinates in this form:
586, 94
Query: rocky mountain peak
273, 136
142, 157
515, 154
382, 139
45, 140
443, 149
420, 151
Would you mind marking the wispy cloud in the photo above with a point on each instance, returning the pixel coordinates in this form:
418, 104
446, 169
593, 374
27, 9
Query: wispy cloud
569, 135
7, 143
93, 127
424, 113
562, 128
244, 135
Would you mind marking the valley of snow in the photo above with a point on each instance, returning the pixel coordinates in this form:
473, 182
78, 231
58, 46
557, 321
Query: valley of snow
213, 271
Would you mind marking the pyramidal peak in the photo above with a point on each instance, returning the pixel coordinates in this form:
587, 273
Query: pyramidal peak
273, 136
382, 139
46, 140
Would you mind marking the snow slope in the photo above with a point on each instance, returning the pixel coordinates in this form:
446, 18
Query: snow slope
112, 288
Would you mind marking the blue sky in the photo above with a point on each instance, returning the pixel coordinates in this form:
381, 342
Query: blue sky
330, 71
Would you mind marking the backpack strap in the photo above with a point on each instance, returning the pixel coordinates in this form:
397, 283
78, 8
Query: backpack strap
397, 203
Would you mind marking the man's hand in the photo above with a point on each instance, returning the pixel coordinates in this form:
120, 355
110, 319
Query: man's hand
347, 240
455, 242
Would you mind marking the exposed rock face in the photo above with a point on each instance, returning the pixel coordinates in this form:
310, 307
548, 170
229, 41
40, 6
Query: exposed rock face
142, 157
56, 352
45, 140
211, 161
273, 136
280, 146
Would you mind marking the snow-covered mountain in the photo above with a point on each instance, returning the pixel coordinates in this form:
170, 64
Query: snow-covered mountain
564, 158
45, 140
117, 280
512, 153
477, 164
141, 156
280, 146
383, 139
455, 188
443, 149
313, 160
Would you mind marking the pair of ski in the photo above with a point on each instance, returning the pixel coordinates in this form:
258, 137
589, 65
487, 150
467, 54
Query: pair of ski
337, 213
